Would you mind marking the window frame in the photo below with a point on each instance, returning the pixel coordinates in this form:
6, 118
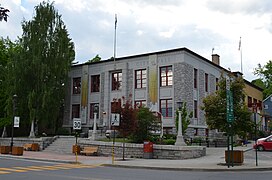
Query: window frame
195, 109
167, 108
142, 80
115, 87
195, 77
142, 103
168, 77
77, 85
206, 82
95, 83
75, 113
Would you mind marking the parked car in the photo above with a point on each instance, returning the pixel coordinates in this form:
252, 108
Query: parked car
264, 144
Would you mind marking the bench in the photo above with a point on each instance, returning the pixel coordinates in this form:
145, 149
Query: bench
88, 151
31, 147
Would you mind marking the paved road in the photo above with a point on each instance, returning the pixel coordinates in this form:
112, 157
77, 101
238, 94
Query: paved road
11, 169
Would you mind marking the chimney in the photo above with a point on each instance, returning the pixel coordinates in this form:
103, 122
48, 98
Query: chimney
216, 59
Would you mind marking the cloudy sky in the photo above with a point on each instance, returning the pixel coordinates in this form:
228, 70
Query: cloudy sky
153, 25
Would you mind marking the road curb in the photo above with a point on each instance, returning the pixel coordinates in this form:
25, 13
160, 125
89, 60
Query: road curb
189, 168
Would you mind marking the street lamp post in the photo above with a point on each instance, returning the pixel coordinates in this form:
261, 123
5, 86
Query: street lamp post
14, 99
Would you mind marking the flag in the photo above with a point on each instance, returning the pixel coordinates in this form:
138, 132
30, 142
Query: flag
115, 21
239, 48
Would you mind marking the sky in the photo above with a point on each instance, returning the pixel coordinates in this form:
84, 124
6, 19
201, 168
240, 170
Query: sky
143, 26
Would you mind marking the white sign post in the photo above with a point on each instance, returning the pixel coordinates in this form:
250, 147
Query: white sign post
16, 121
115, 119
76, 123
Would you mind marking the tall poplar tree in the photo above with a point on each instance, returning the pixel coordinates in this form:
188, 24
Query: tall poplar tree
42, 69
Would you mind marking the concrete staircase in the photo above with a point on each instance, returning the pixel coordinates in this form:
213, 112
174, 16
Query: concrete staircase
62, 145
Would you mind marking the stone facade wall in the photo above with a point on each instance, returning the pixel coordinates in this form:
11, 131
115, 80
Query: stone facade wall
136, 150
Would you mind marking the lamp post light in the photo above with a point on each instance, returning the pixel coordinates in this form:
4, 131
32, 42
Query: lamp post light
179, 140
14, 101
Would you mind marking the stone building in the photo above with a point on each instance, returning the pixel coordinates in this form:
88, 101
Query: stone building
160, 80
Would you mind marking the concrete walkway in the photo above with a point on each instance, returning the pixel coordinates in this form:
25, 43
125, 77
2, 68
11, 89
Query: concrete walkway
213, 161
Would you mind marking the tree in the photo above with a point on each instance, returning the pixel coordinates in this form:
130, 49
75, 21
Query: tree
265, 74
8, 52
128, 119
259, 83
185, 117
215, 108
3, 14
147, 123
42, 69
97, 58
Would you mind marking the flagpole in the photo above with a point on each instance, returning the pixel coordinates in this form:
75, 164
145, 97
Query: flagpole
240, 49
114, 51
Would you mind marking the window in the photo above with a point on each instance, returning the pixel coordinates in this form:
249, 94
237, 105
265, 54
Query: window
140, 78
195, 109
75, 111
166, 107
117, 81
249, 101
141, 103
216, 85
166, 76
206, 82
76, 85
95, 83
195, 78
92, 110
116, 106
265, 106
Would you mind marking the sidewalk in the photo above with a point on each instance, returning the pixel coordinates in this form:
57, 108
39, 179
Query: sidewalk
213, 161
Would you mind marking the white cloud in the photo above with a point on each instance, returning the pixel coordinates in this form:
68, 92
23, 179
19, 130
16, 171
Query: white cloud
146, 26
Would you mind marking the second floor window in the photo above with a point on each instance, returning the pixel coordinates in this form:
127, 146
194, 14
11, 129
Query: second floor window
116, 81
206, 82
95, 83
195, 78
166, 107
76, 85
140, 78
166, 76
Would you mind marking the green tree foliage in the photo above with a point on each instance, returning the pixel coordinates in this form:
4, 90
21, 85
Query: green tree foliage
97, 58
185, 117
147, 123
259, 83
3, 14
8, 52
215, 108
265, 74
42, 69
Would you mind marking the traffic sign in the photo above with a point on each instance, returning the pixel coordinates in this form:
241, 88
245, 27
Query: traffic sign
76, 123
16, 121
115, 119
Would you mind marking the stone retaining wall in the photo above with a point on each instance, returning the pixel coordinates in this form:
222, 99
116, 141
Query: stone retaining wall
136, 150
43, 141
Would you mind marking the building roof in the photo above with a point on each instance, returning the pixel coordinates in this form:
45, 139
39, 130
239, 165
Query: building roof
169, 51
